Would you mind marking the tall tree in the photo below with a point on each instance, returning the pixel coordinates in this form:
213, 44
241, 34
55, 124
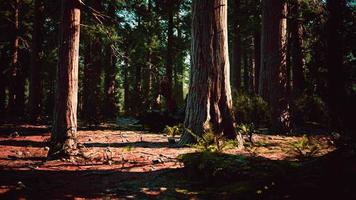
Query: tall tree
170, 53
296, 62
14, 93
36, 62
257, 58
110, 108
334, 60
274, 75
64, 133
236, 46
209, 100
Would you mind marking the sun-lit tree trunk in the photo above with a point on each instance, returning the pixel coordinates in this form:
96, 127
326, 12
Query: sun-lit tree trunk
35, 99
274, 75
209, 101
64, 133
236, 46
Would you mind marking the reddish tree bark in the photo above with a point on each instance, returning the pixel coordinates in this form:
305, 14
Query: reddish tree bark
64, 133
209, 101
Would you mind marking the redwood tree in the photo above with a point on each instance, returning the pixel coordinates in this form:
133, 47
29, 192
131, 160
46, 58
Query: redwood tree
295, 31
274, 75
209, 99
64, 133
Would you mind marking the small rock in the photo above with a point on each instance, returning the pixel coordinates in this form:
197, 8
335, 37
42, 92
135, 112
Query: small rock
21, 185
14, 134
156, 161
19, 153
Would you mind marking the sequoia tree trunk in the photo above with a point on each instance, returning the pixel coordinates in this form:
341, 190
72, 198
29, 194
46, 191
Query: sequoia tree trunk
64, 133
209, 101
295, 29
273, 76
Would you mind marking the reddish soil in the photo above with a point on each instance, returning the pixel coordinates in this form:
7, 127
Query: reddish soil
115, 164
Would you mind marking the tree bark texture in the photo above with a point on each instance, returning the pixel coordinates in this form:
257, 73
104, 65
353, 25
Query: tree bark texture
209, 101
274, 75
297, 63
64, 134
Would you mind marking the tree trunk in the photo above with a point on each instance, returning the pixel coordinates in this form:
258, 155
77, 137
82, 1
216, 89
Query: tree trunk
236, 46
110, 106
36, 63
126, 84
209, 101
340, 109
273, 76
13, 93
297, 63
257, 59
64, 133
2, 83
179, 69
169, 65
246, 71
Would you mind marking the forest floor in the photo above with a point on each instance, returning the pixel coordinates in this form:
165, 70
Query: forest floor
123, 164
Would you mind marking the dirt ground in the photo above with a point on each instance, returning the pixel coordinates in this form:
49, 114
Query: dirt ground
115, 164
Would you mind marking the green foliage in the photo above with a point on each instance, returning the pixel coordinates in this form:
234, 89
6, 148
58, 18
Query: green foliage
212, 142
174, 130
247, 130
311, 108
250, 109
305, 148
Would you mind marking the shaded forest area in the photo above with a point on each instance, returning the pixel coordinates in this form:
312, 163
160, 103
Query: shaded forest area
177, 99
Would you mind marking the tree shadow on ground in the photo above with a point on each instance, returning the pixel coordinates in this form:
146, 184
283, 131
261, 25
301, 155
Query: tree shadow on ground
328, 177
142, 144
22, 143
7, 130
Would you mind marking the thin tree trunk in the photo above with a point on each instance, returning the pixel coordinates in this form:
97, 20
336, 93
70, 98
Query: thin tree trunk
36, 63
246, 71
257, 54
64, 133
179, 69
126, 84
273, 76
2, 83
169, 65
236, 45
110, 106
209, 101
13, 94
